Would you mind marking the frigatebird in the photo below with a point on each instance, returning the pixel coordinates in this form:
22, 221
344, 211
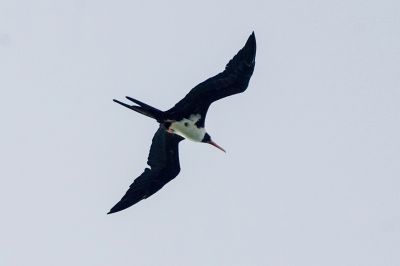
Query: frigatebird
185, 120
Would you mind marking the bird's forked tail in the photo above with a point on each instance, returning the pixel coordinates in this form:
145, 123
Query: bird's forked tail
144, 109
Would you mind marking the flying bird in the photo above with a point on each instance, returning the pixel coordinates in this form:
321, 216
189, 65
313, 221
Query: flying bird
186, 120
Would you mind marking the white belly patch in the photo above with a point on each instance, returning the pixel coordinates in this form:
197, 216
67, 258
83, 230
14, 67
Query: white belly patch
186, 128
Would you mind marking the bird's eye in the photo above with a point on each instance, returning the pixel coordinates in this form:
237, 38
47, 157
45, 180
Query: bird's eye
186, 124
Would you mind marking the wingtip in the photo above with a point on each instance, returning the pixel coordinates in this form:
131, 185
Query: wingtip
118, 207
252, 38
250, 47
112, 211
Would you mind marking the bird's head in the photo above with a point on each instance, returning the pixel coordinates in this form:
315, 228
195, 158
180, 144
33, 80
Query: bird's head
207, 139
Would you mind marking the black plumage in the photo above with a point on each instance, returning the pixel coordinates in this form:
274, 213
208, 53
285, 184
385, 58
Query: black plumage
234, 79
164, 166
163, 158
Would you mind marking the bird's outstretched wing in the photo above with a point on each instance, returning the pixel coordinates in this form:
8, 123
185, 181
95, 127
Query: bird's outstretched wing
234, 79
164, 166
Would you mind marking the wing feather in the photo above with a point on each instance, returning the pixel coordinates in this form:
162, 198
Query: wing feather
234, 79
164, 165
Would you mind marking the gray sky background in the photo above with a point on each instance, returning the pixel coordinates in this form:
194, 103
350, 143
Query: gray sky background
311, 174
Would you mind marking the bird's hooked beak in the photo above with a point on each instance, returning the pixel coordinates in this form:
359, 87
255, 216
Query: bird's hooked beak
216, 145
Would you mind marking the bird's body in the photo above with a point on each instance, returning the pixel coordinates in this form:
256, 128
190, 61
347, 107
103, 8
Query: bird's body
186, 120
188, 129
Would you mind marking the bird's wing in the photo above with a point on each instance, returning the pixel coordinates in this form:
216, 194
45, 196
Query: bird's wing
234, 79
164, 166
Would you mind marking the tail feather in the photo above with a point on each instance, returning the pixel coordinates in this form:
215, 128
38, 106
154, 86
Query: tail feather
144, 109
142, 104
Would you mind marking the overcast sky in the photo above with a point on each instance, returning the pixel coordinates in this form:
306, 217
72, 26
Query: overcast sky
311, 174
